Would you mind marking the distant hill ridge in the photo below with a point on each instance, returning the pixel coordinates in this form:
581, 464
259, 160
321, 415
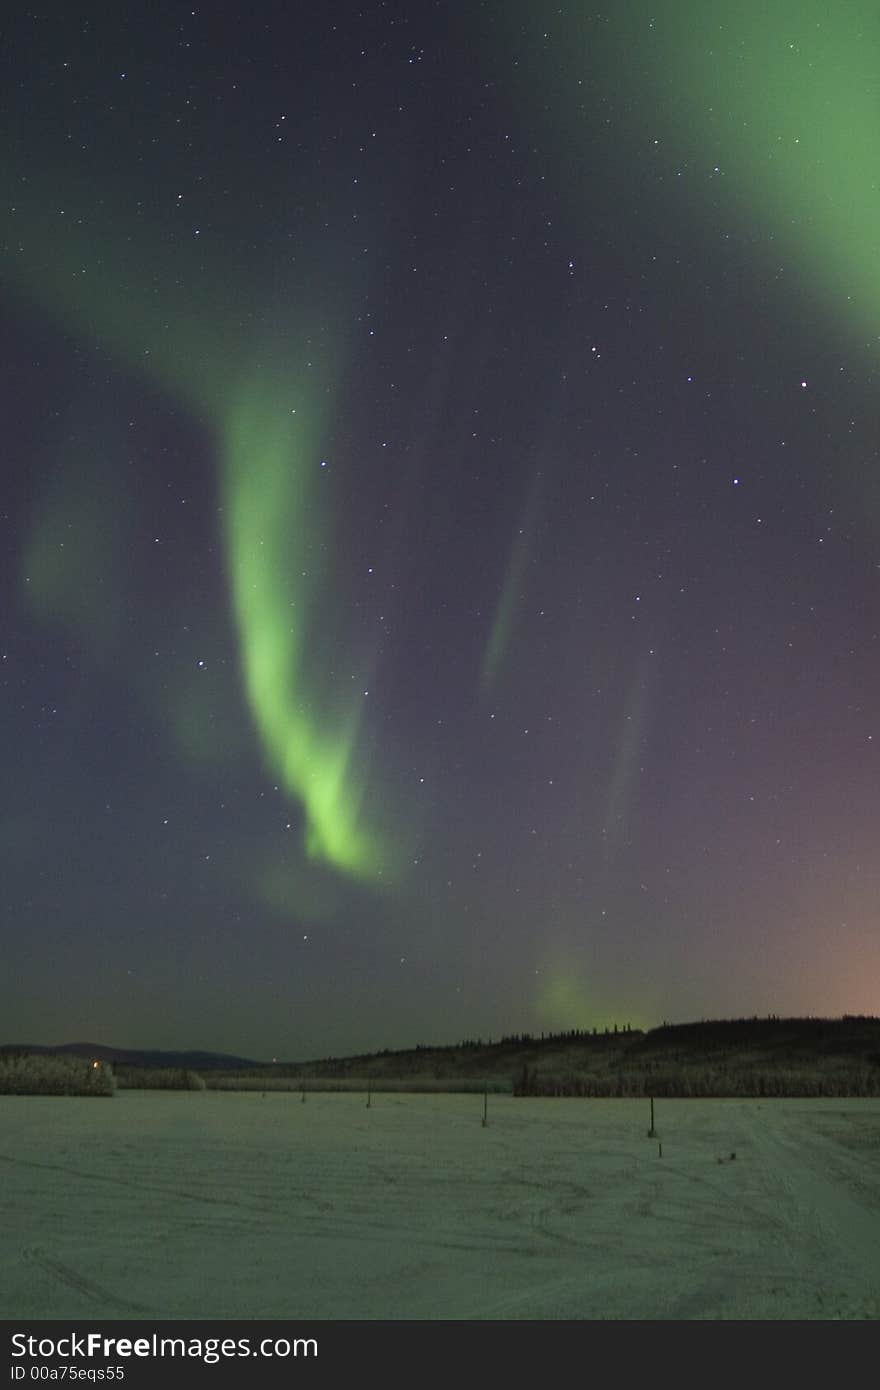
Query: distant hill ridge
804, 1039
132, 1057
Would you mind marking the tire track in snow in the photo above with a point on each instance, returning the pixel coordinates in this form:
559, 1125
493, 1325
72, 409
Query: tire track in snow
138, 1185
35, 1255
820, 1186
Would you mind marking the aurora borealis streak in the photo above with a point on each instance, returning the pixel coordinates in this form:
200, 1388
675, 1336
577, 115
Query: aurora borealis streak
792, 121
512, 595
275, 546
773, 105
267, 459
440, 520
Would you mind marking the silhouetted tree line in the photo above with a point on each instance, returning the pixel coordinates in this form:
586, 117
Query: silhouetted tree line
703, 1082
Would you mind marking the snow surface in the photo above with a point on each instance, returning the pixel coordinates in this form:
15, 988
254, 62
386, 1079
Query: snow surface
230, 1205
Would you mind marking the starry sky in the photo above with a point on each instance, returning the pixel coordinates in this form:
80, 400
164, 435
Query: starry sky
440, 519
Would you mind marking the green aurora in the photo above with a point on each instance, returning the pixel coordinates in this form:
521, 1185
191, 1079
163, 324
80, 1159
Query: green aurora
754, 118
273, 521
512, 591
273, 545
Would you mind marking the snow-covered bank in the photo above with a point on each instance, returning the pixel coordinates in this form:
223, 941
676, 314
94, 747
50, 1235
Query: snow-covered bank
217, 1205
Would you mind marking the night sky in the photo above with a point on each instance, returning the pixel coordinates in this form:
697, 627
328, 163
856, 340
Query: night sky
440, 519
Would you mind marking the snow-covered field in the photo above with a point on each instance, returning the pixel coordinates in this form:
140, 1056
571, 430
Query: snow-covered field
216, 1205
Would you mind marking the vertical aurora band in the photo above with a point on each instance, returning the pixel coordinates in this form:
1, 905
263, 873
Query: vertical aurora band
512, 590
274, 540
274, 526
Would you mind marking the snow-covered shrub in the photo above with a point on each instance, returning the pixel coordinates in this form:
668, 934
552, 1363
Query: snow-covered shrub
48, 1074
159, 1079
